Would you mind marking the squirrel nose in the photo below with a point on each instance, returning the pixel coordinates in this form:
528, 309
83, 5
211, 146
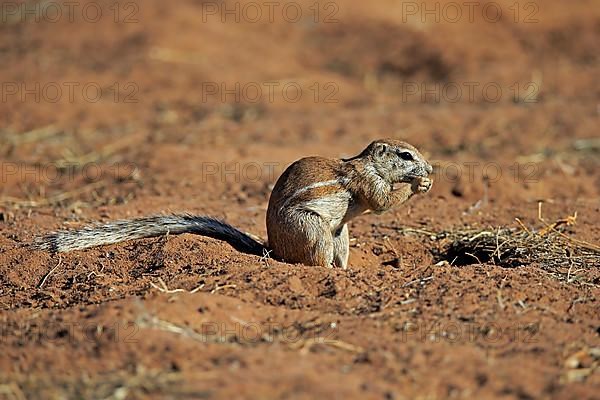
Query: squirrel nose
429, 168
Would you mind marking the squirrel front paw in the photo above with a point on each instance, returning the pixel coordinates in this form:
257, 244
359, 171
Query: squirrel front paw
421, 185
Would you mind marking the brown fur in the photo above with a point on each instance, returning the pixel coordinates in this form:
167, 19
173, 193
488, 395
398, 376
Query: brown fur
315, 197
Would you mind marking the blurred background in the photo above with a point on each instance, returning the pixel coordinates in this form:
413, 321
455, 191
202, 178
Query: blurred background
104, 92
117, 108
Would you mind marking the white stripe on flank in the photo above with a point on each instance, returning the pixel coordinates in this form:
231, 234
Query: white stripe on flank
310, 187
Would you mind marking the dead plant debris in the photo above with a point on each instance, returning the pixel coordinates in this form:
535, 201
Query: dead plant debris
549, 247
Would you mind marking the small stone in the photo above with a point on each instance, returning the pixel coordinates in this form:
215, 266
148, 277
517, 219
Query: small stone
578, 375
581, 359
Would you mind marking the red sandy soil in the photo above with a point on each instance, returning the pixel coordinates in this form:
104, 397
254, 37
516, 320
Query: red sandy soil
397, 324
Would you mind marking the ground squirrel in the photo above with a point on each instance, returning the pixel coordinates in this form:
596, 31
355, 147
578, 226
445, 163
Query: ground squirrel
308, 210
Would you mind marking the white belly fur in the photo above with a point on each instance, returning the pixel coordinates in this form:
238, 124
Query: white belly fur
334, 209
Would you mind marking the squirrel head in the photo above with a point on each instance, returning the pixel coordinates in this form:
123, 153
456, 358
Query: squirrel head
397, 161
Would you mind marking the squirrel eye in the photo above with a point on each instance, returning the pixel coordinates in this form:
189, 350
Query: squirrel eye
405, 155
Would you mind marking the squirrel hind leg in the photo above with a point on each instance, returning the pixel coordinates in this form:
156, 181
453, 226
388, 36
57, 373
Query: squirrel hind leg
341, 247
306, 239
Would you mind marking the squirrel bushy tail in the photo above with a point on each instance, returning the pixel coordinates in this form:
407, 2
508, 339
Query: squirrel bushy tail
153, 226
